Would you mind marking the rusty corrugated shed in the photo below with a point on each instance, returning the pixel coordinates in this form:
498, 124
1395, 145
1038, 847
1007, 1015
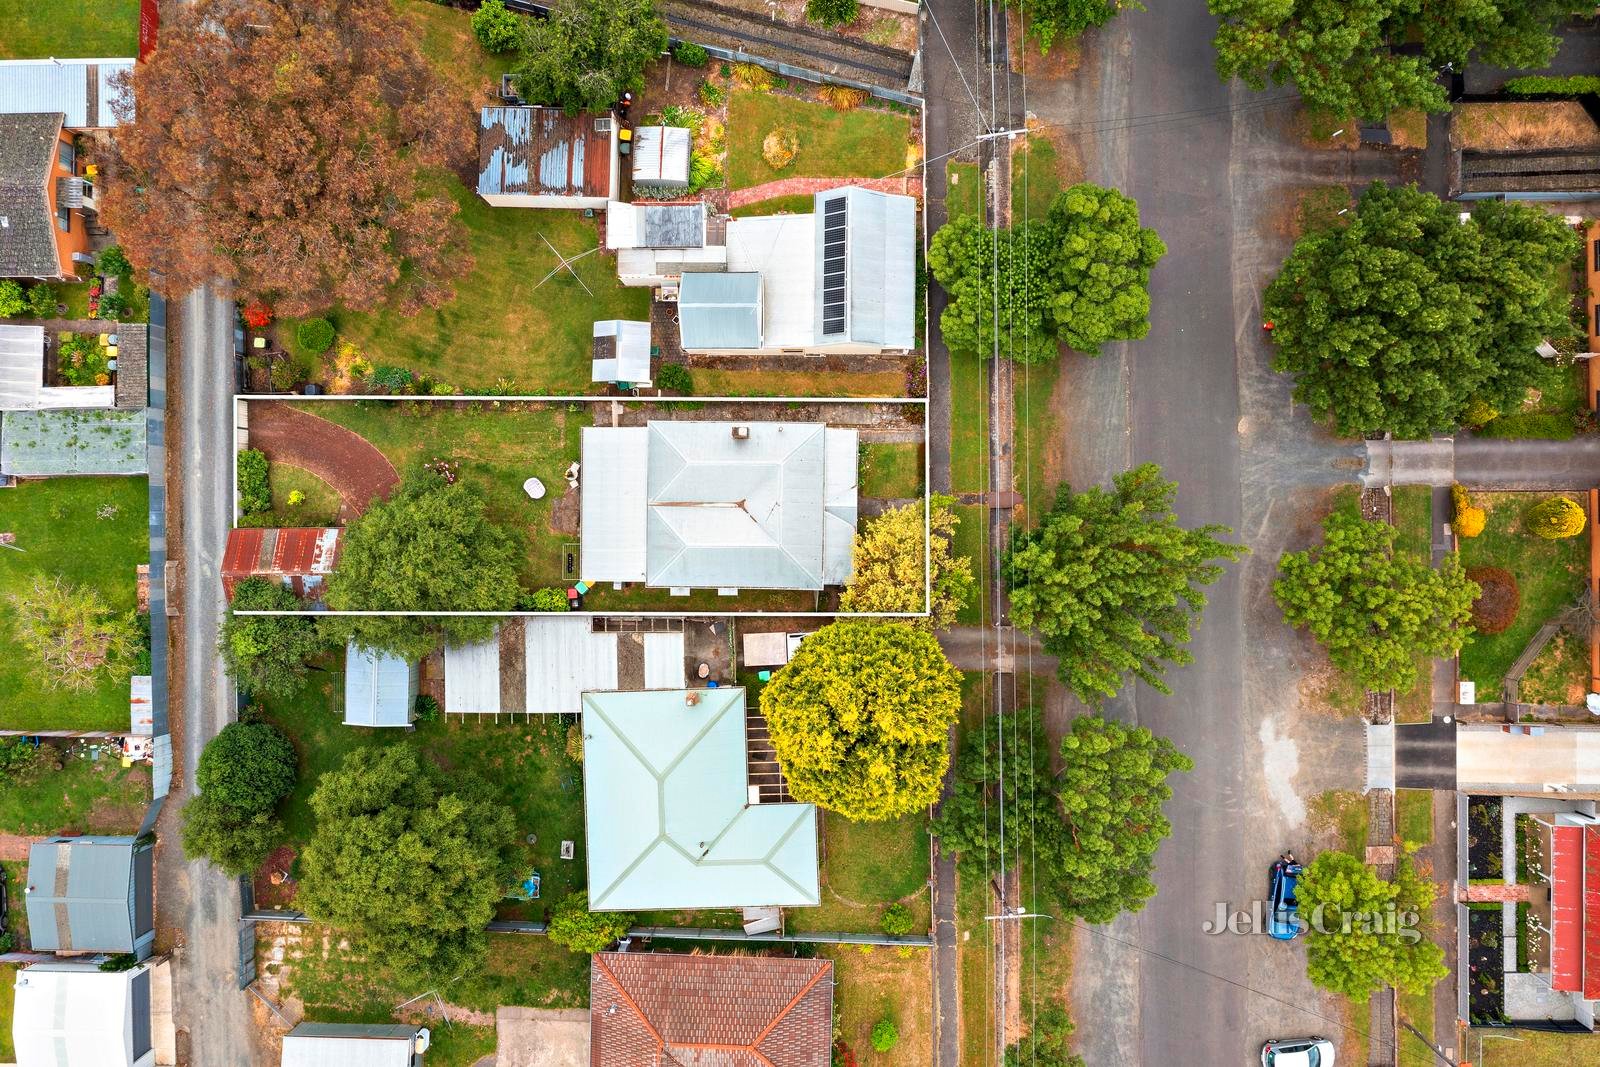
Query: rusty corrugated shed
291, 554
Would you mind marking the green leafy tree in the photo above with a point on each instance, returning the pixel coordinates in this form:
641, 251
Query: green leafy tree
1373, 609
496, 28
429, 547
1557, 517
1093, 829
1047, 1042
42, 301
572, 924
890, 569
236, 842
268, 653
13, 300
1112, 584
1079, 277
406, 860
860, 719
1050, 20
1406, 319
248, 766
75, 639
897, 920
1366, 933
588, 52
1342, 55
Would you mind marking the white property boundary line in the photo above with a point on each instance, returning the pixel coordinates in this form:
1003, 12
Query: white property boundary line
241, 399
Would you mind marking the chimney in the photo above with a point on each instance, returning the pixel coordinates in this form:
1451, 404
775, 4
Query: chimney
741, 433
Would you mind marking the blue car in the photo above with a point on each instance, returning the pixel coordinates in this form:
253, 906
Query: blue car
1284, 923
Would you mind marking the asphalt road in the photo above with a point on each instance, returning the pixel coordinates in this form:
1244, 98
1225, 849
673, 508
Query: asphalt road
210, 1009
1485, 463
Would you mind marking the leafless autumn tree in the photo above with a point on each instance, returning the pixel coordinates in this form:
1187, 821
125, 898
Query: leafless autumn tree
291, 147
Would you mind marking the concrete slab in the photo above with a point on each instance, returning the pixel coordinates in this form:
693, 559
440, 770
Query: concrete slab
163, 1032
1380, 756
541, 1037
1529, 998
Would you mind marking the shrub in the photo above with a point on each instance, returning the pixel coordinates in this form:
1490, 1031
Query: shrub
885, 1035
1543, 85
1556, 518
42, 301
1469, 519
675, 377
114, 260
711, 94
690, 118
832, 13
842, 97
1479, 413
779, 147
12, 300
572, 924
703, 171
546, 599
897, 920
111, 306
296, 497
16, 755
497, 29
122, 961
690, 54
256, 314
752, 76
394, 379
315, 335
1497, 603
426, 707
255, 492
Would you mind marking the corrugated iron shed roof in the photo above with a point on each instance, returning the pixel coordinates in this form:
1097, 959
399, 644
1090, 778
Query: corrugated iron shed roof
70, 1014
284, 551
661, 156
379, 688
881, 263
563, 659
621, 351
542, 151
349, 1045
717, 311
84, 90
80, 894
472, 677
1566, 909
670, 823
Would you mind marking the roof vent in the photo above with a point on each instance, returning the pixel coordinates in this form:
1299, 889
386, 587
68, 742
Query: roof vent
691, 698
741, 433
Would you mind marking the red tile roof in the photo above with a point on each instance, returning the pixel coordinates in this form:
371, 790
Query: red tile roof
657, 1010
1566, 909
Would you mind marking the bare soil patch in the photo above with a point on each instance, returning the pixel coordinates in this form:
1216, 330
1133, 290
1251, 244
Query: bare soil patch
1523, 126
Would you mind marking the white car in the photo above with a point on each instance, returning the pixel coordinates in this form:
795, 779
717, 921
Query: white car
1297, 1052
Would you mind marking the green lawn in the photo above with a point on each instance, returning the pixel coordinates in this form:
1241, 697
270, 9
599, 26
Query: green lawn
1413, 519
719, 381
1038, 428
971, 534
8, 1003
68, 29
867, 866
964, 195
498, 329
891, 471
1035, 179
863, 143
1413, 815
86, 795
58, 526
1550, 575
526, 763
1344, 815
498, 448
798, 204
1529, 1048
969, 423
319, 508
1560, 674
1417, 1009
872, 984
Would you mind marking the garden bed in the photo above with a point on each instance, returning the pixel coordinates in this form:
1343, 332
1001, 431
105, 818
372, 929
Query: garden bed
1486, 964
1485, 840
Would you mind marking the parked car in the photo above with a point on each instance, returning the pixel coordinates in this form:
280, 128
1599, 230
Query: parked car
1297, 1052
1284, 922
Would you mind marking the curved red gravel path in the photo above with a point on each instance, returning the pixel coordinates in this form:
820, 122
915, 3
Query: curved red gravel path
348, 462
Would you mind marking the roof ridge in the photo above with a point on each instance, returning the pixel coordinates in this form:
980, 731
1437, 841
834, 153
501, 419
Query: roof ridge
616, 983
787, 1008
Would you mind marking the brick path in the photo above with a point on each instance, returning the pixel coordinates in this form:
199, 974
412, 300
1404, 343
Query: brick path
797, 186
1497, 893
15, 846
345, 460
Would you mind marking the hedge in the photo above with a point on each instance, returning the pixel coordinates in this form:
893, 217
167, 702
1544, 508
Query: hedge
255, 492
1544, 85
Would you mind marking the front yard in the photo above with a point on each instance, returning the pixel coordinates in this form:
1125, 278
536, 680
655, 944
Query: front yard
873, 984
891, 471
91, 532
862, 143
1550, 576
68, 29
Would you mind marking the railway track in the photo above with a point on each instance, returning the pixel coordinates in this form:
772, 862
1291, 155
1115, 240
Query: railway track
711, 23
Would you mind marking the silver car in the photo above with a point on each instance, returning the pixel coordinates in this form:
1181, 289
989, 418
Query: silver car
1297, 1052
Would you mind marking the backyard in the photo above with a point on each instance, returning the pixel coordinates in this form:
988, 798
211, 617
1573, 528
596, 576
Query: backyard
92, 793
1550, 576
498, 448
526, 763
91, 532
68, 29
860, 143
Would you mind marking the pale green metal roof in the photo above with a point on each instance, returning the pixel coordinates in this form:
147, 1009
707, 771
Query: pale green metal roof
719, 310
667, 801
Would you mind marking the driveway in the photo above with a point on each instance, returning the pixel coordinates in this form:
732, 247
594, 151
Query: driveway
213, 1020
1216, 172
